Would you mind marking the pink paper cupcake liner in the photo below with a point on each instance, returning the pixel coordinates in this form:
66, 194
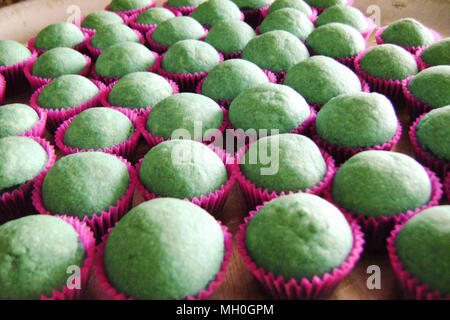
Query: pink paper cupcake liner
37, 82
144, 28
2, 89
94, 52
214, 202
412, 288
376, 230
90, 32
320, 10
57, 116
255, 196
79, 47
39, 128
420, 63
412, 50
128, 13
414, 105
14, 76
440, 166
254, 17
124, 149
231, 55
312, 17
159, 48
88, 240
17, 203
184, 11
341, 154
100, 223
370, 29
320, 287
447, 186
105, 286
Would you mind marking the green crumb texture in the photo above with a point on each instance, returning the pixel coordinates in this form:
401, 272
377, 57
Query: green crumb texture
62, 34
112, 34
154, 16
16, 118
126, 5
230, 36
431, 86
343, 14
184, 3
211, 12
408, 33
98, 19
57, 62
325, 3
288, 19
300, 5
12, 52
437, 53
252, 4
179, 28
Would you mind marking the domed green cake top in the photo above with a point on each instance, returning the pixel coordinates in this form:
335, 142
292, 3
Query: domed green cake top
298, 236
422, 248
57, 62
381, 183
252, 4
213, 11
325, 3
343, 14
437, 53
288, 19
61, 34
126, 5
320, 78
83, 184
276, 51
12, 52
295, 4
293, 163
184, 3
112, 34
179, 28
431, 86
164, 249
66, 92
408, 32
357, 120
154, 16
98, 19
182, 169
185, 111
35, 254
16, 118
230, 36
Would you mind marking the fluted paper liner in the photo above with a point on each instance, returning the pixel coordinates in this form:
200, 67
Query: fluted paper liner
14, 76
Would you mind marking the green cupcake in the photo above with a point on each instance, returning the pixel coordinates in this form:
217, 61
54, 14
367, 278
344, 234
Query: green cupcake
437, 53
343, 14
276, 51
127, 5
288, 19
230, 36
112, 34
185, 111
189, 57
184, 3
179, 28
154, 16
139, 90
57, 62
67, 91
164, 249
407, 32
98, 19
61, 34
252, 4
84, 184
211, 12
12, 52
431, 86
16, 118
325, 3
381, 183
295, 4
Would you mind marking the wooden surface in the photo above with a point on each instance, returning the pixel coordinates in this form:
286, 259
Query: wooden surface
23, 20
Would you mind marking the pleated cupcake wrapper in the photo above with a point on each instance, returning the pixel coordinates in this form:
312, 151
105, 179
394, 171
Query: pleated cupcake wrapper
441, 167
57, 116
15, 77
159, 48
226, 103
94, 52
255, 196
124, 149
370, 29
231, 55
109, 80
412, 50
184, 11
320, 287
214, 201
39, 128
105, 287
420, 63
87, 238
341, 154
412, 288
155, 140
17, 204
90, 32
377, 230
254, 17
79, 47
312, 17
2, 89
415, 107
37, 82
100, 223
128, 13
321, 10
447, 186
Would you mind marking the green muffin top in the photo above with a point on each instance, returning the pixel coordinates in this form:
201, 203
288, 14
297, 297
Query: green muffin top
431, 86
66, 92
21, 159
297, 163
154, 16
179, 28
268, 107
288, 19
437, 53
276, 51
61, 34
422, 248
139, 90
433, 132
228, 79
184, 3
357, 120
83, 184
381, 183
35, 255
124, 58
126, 5
182, 169
98, 128
211, 12
252, 4
164, 249
112, 34
320, 78
16, 118
298, 236
12, 52
343, 14
57, 62
98, 19
185, 111
325, 3
230, 36
190, 56
388, 61
407, 32
295, 4
336, 40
